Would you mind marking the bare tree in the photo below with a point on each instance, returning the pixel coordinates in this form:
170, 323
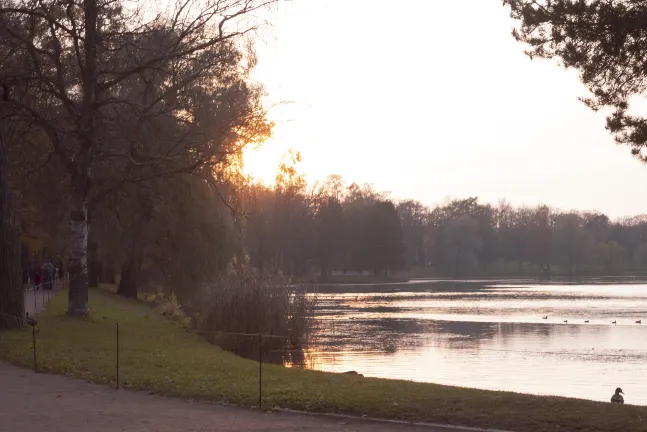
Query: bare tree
124, 99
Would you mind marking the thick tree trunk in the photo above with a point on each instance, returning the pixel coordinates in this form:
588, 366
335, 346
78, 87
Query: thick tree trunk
109, 273
93, 265
12, 300
78, 252
80, 178
93, 255
130, 276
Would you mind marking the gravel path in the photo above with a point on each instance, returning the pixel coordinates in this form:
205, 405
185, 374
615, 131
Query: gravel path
52, 403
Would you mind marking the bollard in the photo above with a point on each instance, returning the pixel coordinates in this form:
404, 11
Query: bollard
260, 371
117, 355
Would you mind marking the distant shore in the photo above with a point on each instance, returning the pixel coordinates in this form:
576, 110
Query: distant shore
554, 279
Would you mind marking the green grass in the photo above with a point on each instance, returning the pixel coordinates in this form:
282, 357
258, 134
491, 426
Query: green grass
161, 357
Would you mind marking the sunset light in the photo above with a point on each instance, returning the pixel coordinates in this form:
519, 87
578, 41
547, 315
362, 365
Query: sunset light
428, 119
225, 215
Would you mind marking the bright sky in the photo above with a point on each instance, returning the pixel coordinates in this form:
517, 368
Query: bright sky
432, 99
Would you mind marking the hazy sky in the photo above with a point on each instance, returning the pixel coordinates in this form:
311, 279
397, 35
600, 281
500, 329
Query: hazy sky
433, 99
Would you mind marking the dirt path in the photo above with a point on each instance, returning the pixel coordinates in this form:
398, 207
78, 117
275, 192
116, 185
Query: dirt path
40, 402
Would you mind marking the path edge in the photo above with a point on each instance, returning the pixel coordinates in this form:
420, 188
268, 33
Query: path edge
389, 421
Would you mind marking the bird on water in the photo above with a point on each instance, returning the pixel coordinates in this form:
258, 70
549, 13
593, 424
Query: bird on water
639, 322
617, 398
546, 317
586, 321
613, 322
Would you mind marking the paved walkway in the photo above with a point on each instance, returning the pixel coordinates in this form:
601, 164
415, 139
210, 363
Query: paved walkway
36, 300
53, 403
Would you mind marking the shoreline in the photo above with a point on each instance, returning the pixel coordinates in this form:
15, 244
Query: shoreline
161, 357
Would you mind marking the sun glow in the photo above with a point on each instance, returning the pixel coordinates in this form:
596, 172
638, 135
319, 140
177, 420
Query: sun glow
261, 162
427, 119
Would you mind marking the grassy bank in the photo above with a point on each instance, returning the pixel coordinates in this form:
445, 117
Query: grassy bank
160, 356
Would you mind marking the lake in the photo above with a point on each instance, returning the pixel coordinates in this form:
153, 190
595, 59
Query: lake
489, 335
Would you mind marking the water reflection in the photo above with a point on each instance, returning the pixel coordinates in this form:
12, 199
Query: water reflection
487, 335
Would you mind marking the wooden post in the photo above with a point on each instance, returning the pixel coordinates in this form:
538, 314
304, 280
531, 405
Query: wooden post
117, 355
33, 337
260, 371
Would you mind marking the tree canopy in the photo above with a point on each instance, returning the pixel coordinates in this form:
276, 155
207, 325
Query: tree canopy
124, 96
605, 42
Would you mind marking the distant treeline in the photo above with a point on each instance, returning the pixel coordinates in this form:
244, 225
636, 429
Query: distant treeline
332, 226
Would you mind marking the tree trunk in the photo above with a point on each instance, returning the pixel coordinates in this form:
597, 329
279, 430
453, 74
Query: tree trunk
12, 300
109, 273
130, 275
93, 265
78, 250
80, 178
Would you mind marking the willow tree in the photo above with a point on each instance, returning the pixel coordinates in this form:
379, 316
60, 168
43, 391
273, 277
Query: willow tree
603, 40
78, 61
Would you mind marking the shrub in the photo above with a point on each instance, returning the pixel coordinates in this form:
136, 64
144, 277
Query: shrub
169, 306
245, 300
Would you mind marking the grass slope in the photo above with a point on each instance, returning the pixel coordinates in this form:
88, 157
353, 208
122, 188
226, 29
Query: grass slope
161, 357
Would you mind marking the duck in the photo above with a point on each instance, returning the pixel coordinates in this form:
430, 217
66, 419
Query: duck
617, 398
639, 322
587, 321
546, 317
565, 321
613, 322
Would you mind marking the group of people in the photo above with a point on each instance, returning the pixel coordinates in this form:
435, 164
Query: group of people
43, 274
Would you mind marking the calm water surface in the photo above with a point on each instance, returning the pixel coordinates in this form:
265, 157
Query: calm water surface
489, 335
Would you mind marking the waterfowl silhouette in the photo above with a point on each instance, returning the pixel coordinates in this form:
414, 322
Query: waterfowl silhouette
613, 322
616, 398
586, 321
546, 317
639, 322
565, 321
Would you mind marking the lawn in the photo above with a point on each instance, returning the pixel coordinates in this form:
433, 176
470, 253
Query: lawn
161, 357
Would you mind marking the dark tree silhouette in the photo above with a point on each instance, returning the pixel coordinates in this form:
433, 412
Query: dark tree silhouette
604, 41
191, 109
12, 302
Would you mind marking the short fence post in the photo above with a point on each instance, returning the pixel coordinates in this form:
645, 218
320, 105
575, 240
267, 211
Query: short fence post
260, 371
33, 337
117, 355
